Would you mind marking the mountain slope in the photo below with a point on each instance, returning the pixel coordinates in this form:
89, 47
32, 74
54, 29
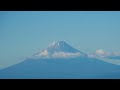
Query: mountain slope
62, 68
79, 66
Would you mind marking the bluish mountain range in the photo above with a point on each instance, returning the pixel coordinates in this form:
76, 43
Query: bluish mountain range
61, 61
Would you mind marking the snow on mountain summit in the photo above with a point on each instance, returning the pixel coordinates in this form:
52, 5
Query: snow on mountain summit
61, 46
59, 49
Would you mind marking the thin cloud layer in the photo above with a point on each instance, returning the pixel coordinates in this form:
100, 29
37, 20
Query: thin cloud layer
46, 54
105, 54
65, 55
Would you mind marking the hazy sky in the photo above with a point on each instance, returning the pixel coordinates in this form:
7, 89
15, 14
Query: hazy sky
23, 33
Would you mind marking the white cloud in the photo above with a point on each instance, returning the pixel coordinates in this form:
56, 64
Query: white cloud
100, 51
44, 53
105, 54
65, 55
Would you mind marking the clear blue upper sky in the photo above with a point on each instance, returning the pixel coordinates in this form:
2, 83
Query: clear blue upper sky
23, 33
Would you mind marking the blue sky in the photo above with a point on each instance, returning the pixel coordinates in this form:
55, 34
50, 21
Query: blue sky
23, 33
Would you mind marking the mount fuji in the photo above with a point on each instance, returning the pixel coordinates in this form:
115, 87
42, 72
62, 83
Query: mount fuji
61, 61
59, 49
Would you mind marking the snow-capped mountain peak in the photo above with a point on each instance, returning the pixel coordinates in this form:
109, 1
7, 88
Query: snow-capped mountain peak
61, 46
59, 49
